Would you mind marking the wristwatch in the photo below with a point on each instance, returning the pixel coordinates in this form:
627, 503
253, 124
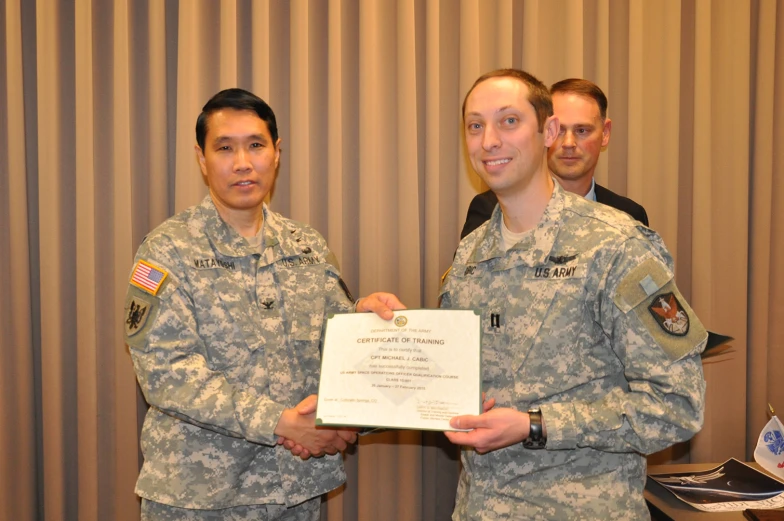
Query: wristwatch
536, 438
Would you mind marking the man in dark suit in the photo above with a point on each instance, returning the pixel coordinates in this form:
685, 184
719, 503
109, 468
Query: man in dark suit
581, 107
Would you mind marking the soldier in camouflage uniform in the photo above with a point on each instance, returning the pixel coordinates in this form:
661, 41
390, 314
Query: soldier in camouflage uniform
589, 351
224, 316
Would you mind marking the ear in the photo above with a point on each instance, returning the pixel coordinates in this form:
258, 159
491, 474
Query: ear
606, 132
551, 127
277, 152
200, 159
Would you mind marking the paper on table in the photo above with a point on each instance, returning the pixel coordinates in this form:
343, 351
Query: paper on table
731, 486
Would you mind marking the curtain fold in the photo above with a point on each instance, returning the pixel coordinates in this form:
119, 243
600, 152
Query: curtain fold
18, 458
98, 102
766, 228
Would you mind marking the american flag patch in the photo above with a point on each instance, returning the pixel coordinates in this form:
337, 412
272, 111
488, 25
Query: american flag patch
148, 277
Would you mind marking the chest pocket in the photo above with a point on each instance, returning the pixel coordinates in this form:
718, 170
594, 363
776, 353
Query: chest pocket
222, 303
471, 287
560, 292
303, 289
569, 348
541, 309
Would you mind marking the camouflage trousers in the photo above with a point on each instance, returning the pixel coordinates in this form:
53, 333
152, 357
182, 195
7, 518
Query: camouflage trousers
308, 511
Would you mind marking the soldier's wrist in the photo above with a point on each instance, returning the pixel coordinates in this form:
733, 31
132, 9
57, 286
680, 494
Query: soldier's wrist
537, 435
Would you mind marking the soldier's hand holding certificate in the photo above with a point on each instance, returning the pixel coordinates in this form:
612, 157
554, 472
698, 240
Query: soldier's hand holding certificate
416, 371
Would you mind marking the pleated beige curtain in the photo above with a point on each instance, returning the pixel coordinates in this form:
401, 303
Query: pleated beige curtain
98, 101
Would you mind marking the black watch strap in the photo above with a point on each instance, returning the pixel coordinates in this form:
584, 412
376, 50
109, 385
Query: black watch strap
536, 438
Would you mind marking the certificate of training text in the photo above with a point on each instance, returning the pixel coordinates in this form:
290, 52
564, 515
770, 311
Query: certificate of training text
416, 371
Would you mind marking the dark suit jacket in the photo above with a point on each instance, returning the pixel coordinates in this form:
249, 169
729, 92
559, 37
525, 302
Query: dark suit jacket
481, 207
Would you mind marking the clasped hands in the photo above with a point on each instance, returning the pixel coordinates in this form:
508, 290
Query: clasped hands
493, 429
297, 431
296, 427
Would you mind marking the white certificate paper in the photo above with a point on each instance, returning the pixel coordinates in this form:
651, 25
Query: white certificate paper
416, 371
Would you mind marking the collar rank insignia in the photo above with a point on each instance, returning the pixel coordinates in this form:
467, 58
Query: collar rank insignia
469, 270
148, 277
669, 314
562, 259
495, 320
136, 316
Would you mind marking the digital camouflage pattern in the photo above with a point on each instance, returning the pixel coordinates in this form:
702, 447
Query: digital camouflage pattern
231, 339
567, 327
308, 511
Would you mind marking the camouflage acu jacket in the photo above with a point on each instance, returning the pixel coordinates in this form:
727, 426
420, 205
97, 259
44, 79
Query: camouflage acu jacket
223, 337
582, 318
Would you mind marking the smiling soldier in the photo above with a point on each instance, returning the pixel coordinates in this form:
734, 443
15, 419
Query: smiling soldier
587, 370
581, 108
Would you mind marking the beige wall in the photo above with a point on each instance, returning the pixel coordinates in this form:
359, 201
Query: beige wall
97, 106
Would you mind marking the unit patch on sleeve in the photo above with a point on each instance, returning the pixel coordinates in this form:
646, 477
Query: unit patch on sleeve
148, 277
669, 314
137, 313
648, 292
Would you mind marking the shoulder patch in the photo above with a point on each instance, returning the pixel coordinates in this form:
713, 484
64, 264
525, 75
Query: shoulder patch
649, 293
137, 311
641, 283
148, 277
139, 314
669, 314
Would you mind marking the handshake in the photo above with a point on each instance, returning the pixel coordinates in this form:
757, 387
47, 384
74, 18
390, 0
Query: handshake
297, 431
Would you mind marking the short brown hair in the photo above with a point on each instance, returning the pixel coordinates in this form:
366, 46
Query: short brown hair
538, 95
584, 88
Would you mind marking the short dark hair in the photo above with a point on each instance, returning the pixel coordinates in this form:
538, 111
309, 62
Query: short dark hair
237, 99
538, 95
584, 88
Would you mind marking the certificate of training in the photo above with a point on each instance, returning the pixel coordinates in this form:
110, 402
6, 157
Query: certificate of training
416, 371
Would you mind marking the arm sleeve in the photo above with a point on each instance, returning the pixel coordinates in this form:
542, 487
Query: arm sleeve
662, 400
169, 357
339, 298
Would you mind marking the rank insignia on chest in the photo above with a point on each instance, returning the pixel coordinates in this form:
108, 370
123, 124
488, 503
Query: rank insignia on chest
268, 303
495, 320
669, 314
469, 270
136, 315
